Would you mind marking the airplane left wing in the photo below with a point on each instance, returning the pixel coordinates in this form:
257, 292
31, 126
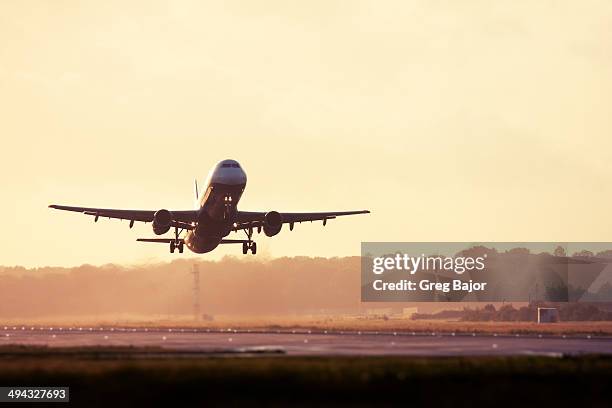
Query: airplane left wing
250, 219
180, 219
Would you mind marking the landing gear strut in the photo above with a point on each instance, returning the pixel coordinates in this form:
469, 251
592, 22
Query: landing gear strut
177, 243
252, 245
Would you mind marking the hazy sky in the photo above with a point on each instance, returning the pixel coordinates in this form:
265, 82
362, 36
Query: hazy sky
450, 120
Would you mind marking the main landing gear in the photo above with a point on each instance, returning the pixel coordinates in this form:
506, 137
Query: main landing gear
249, 245
177, 243
252, 245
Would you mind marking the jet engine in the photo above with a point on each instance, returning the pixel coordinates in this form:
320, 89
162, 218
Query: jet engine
273, 222
162, 221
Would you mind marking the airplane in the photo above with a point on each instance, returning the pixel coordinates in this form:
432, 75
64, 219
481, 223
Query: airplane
215, 216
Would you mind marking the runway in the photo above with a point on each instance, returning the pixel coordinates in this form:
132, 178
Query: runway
306, 342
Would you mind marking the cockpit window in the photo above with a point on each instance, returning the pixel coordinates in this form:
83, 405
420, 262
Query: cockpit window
226, 165
236, 165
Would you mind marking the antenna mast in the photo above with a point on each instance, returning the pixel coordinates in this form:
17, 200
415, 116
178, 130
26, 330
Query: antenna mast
196, 292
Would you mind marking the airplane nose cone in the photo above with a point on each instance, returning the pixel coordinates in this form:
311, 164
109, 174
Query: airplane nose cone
230, 177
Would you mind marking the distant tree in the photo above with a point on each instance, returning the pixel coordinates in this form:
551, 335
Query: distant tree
580, 312
527, 314
477, 250
559, 251
507, 313
518, 251
489, 308
605, 254
584, 253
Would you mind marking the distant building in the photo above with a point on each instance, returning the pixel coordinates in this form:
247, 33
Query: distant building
548, 315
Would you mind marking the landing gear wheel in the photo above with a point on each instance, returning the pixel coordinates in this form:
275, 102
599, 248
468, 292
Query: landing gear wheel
249, 244
180, 247
172, 247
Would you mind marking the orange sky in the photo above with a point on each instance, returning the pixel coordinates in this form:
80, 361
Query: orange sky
452, 121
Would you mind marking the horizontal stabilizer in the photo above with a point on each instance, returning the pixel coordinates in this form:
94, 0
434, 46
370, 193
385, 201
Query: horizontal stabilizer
234, 241
160, 240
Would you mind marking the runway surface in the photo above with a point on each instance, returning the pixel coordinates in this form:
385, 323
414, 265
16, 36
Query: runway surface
306, 342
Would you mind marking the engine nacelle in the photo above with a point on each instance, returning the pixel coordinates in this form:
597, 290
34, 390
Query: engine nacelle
162, 221
273, 222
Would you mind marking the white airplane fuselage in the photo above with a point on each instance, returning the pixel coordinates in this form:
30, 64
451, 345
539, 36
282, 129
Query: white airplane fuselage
217, 206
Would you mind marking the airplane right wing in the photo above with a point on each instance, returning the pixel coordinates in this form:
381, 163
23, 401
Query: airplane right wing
180, 219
